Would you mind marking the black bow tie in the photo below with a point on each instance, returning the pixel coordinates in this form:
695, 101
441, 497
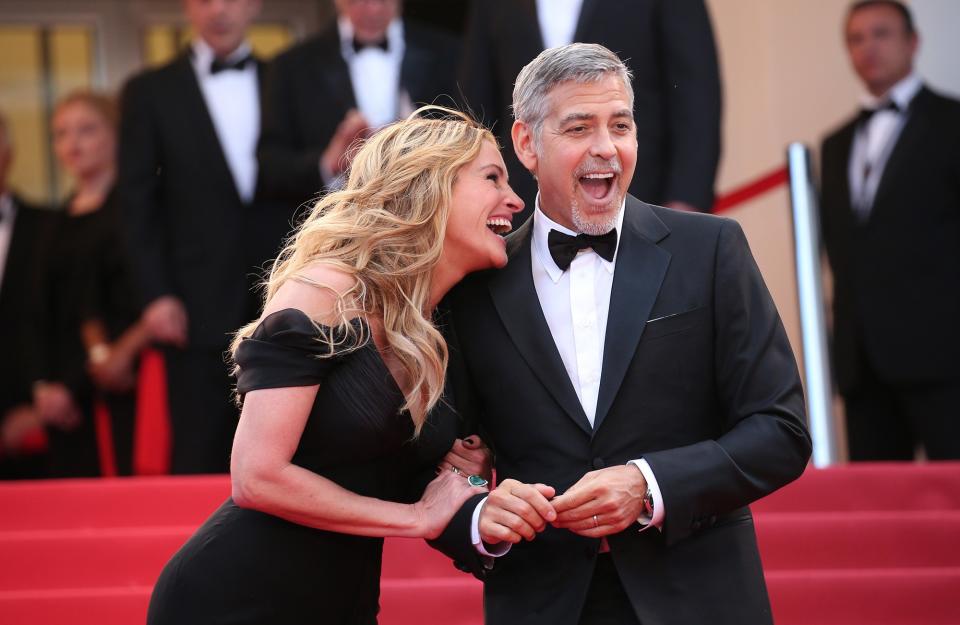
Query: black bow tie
866, 113
564, 247
359, 45
219, 65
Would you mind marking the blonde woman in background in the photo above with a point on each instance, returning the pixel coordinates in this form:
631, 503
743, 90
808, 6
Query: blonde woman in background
341, 380
87, 336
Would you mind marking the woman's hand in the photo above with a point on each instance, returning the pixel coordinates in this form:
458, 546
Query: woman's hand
441, 500
469, 456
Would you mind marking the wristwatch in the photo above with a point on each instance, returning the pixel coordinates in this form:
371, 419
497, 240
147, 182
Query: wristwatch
647, 503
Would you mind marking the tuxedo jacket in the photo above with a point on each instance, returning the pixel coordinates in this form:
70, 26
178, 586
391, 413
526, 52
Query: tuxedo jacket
18, 301
897, 274
698, 378
308, 92
191, 234
669, 46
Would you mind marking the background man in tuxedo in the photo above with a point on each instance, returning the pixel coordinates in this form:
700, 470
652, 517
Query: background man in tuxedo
630, 358
891, 224
369, 68
669, 46
21, 229
187, 186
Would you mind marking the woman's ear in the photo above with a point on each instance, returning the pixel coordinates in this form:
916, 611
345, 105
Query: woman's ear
522, 134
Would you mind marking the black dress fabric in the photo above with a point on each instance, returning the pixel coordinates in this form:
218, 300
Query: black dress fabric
244, 566
85, 274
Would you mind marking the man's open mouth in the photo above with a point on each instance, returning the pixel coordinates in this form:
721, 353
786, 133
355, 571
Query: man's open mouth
598, 185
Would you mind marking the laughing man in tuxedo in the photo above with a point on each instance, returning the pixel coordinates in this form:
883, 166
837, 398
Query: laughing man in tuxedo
629, 358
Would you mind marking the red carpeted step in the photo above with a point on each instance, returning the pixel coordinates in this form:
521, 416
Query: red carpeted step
870, 486
431, 601
408, 558
439, 601
87, 558
111, 502
866, 596
859, 540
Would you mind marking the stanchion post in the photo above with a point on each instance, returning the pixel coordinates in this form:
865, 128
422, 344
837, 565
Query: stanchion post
806, 234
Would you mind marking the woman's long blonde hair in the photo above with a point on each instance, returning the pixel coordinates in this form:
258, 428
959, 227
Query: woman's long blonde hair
386, 228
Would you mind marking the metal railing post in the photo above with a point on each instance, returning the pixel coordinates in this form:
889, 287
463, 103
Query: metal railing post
806, 234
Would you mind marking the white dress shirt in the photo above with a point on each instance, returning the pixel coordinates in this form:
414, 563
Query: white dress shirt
875, 140
375, 75
558, 21
233, 101
576, 303
8, 213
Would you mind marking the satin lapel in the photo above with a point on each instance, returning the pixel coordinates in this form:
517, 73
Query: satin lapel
846, 145
912, 132
198, 122
333, 68
641, 267
587, 10
412, 76
528, 10
515, 298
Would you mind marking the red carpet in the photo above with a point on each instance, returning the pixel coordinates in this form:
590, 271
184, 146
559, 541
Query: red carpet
859, 545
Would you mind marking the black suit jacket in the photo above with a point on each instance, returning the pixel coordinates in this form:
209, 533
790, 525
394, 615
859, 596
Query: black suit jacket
308, 92
191, 234
698, 378
18, 302
669, 46
897, 275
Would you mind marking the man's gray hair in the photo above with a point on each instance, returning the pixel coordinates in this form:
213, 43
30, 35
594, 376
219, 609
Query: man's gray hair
577, 62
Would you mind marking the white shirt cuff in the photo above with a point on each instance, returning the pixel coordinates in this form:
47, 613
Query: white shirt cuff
495, 551
658, 511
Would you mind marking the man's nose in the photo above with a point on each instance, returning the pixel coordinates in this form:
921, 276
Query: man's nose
603, 146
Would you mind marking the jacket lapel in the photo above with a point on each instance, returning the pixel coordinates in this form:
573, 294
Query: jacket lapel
335, 72
587, 10
912, 132
412, 76
641, 267
515, 298
198, 122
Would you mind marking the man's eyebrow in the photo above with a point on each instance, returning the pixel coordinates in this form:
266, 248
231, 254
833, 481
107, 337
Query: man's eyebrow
624, 113
577, 117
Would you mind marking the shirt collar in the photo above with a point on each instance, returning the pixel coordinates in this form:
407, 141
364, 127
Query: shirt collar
542, 225
901, 93
394, 37
203, 55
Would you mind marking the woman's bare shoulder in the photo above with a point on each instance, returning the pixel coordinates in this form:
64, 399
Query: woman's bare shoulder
318, 290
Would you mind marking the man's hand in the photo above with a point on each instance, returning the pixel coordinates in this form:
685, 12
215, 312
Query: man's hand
469, 456
515, 511
166, 320
334, 160
54, 404
603, 502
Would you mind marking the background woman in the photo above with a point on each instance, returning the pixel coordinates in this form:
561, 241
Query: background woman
338, 378
87, 332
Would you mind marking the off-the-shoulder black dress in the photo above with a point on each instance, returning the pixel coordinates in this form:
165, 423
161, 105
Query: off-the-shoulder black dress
244, 566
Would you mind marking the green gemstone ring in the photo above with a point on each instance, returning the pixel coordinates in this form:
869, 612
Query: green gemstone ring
476, 480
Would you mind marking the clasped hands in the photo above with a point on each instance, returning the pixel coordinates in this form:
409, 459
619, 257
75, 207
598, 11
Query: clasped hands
602, 502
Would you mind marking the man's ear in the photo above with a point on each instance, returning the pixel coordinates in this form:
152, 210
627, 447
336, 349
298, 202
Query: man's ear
522, 135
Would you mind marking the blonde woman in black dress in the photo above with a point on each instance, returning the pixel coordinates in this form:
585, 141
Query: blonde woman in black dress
341, 380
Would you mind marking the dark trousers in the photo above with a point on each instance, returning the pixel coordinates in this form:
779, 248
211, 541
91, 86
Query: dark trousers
203, 416
886, 421
607, 602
